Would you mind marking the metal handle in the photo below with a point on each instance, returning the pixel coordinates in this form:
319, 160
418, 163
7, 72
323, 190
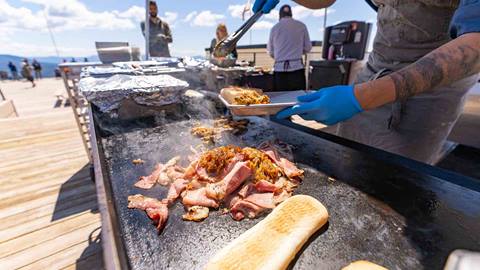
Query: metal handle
246, 26
227, 45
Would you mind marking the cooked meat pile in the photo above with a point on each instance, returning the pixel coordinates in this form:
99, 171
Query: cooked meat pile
243, 181
251, 97
248, 96
212, 134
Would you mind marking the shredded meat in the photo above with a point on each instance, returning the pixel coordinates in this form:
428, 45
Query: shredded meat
262, 166
248, 96
211, 134
208, 134
216, 159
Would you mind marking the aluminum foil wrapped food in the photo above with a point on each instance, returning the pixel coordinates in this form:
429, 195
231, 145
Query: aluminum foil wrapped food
156, 90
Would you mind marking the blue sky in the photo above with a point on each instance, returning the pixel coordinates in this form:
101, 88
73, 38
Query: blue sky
76, 24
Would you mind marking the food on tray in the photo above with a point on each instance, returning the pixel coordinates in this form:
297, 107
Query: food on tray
212, 134
274, 241
244, 96
246, 181
363, 265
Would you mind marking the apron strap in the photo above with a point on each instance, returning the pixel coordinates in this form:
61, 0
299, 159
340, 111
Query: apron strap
286, 63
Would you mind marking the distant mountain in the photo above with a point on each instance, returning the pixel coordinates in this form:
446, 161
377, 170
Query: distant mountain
49, 63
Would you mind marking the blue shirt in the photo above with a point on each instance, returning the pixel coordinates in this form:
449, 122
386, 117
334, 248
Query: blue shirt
465, 20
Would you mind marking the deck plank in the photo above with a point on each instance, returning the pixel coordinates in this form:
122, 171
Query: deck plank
48, 204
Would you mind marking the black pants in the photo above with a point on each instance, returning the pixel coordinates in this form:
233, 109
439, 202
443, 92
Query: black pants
290, 81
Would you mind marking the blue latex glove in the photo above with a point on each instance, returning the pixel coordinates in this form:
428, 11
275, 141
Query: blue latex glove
328, 105
264, 5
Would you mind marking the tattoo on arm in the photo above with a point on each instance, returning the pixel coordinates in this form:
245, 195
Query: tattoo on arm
443, 66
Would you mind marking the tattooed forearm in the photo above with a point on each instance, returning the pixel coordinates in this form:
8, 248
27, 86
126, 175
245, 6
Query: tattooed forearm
455, 60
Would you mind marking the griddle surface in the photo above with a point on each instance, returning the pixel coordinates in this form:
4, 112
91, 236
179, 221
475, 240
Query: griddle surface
378, 212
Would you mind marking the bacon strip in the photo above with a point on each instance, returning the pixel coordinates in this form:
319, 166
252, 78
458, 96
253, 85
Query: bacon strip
290, 170
162, 174
175, 189
234, 179
198, 197
242, 209
264, 200
147, 182
156, 210
265, 186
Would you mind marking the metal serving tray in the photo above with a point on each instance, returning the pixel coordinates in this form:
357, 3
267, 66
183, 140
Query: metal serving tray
278, 102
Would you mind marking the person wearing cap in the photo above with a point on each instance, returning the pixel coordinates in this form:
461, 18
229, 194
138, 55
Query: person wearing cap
288, 41
160, 34
425, 58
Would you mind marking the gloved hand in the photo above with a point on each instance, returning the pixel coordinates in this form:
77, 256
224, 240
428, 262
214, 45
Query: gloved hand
264, 5
328, 105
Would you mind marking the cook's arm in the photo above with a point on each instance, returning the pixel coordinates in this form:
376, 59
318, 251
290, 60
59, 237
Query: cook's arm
315, 4
142, 26
168, 33
453, 61
270, 45
307, 44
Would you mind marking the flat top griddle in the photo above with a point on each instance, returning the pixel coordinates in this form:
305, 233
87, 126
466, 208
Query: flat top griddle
379, 211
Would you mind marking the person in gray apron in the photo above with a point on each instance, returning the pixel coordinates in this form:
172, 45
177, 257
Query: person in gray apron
412, 90
159, 33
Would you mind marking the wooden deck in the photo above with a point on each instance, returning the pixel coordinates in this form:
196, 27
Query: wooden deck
48, 207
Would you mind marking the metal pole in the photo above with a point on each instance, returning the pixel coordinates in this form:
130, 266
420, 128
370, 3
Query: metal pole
51, 34
325, 20
147, 29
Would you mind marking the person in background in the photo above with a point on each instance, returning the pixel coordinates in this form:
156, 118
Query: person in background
73, 60
85, 59
160, 34
13, 70
66, 70
37, 68
288, 41
27, 72
221, 34
406, 100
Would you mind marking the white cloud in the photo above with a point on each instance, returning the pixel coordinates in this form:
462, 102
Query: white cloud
170, 17
207, 18
64, 15
19, 18
135, 13
190, 16
273, 15
8, 46
262, 25
240, 11
300, 12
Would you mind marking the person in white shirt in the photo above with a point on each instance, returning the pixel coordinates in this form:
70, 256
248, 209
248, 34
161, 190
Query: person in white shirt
289, 40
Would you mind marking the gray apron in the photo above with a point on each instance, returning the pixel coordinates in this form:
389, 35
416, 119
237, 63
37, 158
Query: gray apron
418, 127
158, 45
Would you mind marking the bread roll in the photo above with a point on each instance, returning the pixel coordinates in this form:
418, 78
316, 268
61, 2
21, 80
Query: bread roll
274, 241
363, 265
